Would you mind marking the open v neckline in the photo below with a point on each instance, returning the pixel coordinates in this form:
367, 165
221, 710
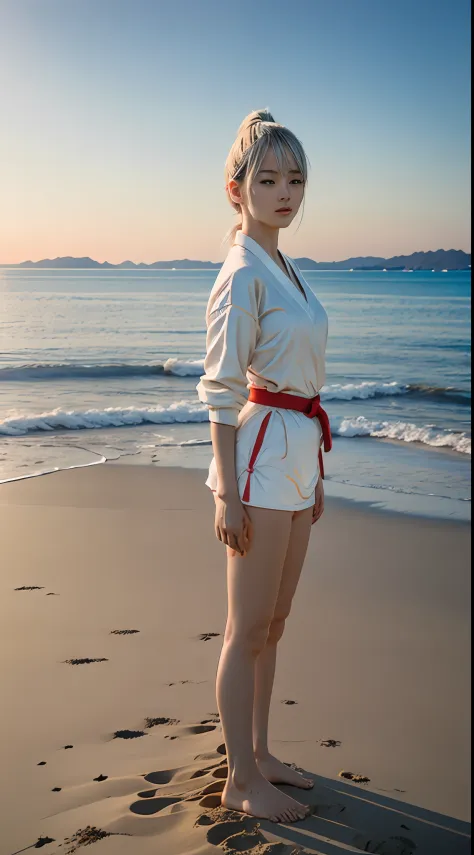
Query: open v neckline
249, 243
289, 267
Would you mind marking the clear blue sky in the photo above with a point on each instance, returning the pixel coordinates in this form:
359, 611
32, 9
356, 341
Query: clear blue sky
117, 116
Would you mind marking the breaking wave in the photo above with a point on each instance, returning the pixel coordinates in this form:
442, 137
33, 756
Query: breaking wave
186, 412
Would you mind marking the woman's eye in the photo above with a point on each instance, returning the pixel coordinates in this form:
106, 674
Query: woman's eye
270, 181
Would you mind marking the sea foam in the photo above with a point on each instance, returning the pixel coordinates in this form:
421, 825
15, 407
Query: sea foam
187, 412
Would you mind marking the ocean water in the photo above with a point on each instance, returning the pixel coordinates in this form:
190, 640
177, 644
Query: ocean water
103, 365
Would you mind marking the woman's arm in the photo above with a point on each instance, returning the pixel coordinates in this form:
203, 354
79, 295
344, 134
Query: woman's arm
223, 446
232, 522
232, 331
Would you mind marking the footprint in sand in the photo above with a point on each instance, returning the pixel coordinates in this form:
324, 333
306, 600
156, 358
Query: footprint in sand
30, 588
330, 743
200, 728
327, 811
153, 722
124, 631
68, 746
205, 636
233, 821
289, 702
211, 801
221, 749
209, 769
162, 777
236, 837
42, 841
357, 779
147, 794
199, 773
56, 789
128, 734
41, 763
390, 846
84, 837
85, 661
221, 772
221, 831
51, 594
211, 789
150, 805
101, 778
235, 832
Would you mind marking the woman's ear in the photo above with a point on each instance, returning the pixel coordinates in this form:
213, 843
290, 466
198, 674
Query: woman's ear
234, 191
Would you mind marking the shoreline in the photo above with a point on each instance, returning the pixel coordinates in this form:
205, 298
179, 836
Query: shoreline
374, 656
335, 491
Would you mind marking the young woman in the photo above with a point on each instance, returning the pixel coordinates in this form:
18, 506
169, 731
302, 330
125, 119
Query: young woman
264, 367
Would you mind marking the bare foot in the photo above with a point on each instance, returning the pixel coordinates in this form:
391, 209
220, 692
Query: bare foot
260, 798
278, 773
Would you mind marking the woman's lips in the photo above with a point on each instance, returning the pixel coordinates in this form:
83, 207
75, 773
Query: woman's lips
283, 211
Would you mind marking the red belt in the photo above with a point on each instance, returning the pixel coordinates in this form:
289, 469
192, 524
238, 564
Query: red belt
311, 407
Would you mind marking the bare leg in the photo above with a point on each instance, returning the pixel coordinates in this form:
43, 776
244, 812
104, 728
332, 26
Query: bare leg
272, 768
253, 584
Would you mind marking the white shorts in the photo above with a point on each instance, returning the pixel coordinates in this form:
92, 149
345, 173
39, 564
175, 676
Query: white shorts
286, 470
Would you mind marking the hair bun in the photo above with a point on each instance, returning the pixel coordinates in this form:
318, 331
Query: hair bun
261, 116
247, 130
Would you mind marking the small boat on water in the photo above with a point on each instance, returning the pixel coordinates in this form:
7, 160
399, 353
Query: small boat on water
445, 270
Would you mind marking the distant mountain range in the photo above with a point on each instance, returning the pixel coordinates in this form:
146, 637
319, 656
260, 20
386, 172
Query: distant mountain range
441, 259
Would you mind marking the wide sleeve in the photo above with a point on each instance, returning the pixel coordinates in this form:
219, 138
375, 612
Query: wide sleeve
232, 332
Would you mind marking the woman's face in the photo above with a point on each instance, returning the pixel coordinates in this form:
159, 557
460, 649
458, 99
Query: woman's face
271, 190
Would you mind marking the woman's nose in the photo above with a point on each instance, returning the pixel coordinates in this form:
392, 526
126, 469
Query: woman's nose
284, 192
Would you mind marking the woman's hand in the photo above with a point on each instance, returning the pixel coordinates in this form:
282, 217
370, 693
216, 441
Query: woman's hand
233, 525
318, 506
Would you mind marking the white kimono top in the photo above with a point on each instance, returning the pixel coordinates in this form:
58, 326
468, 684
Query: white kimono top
262, 331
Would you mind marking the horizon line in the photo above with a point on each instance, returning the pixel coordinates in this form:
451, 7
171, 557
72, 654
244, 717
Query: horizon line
158, 261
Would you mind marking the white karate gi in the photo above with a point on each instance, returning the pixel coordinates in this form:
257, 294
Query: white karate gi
262, 332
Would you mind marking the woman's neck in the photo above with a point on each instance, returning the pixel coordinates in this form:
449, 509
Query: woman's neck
266, 236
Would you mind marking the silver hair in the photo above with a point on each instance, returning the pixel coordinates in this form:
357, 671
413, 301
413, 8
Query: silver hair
256, 134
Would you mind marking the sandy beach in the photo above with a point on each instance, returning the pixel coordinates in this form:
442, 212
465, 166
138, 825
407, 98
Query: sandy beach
113, 608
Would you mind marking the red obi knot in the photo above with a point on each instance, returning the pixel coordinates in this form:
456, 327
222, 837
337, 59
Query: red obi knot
311, 407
